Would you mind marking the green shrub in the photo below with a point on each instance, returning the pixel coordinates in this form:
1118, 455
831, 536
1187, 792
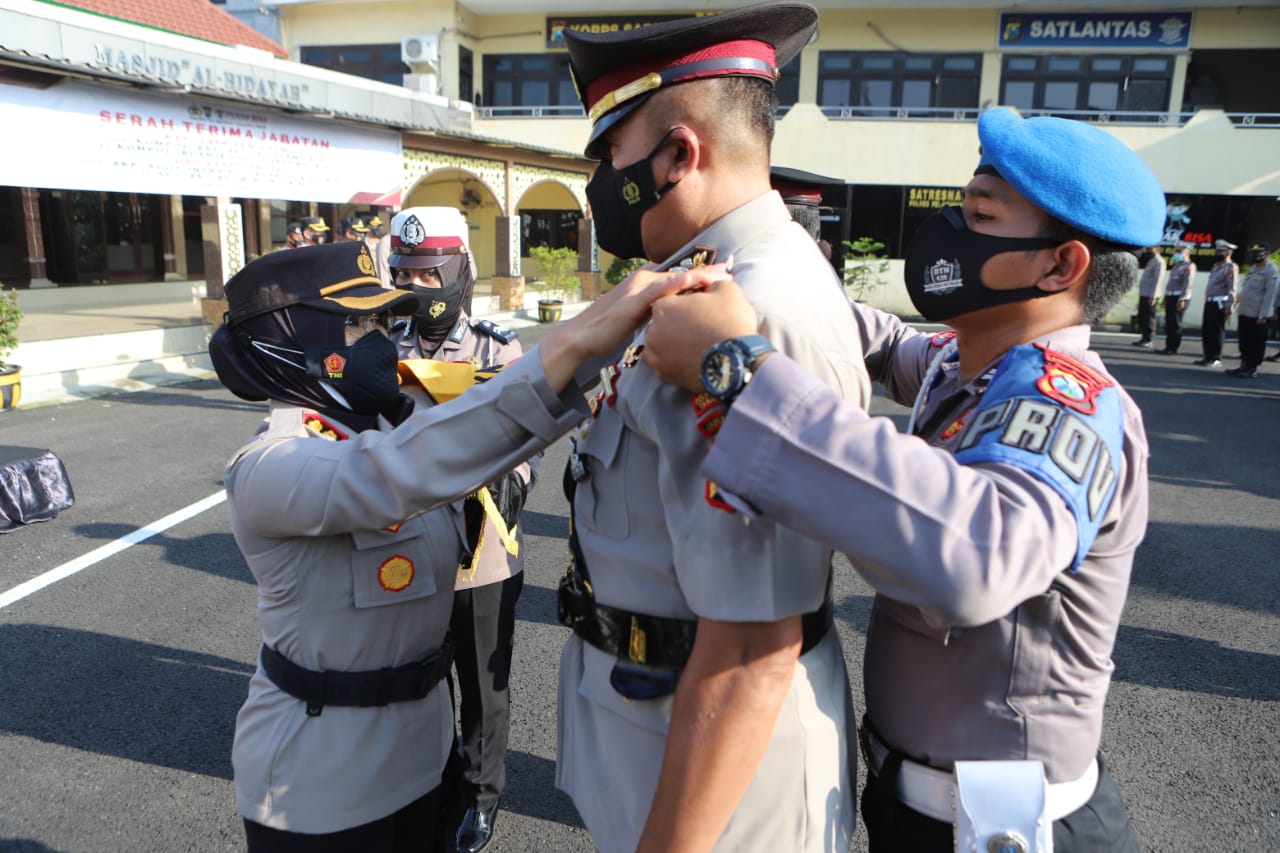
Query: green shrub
557, 272
621, 268
10, 317
864, 266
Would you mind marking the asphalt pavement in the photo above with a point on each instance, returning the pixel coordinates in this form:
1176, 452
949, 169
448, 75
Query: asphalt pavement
119, 684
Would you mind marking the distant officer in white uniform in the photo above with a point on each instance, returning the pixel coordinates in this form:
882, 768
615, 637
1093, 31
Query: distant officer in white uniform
1000, 534
430, 257
339, 504
704, 702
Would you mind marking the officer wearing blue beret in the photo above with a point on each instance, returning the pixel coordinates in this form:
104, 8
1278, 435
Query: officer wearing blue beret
999, 533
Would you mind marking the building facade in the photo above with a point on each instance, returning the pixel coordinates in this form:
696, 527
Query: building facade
474, 104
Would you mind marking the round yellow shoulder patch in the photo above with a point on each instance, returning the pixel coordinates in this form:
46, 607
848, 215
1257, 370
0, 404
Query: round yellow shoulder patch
396, 573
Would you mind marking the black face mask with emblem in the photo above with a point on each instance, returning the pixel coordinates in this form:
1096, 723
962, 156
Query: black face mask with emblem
619, 199
943, 267
438, 310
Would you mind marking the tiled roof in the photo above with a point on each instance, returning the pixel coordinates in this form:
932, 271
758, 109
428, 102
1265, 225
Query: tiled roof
196, 18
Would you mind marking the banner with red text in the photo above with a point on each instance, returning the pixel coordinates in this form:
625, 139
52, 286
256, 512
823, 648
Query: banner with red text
90, 137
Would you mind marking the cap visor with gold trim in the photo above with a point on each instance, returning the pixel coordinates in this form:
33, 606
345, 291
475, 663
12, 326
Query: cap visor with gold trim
340, 278
617, 72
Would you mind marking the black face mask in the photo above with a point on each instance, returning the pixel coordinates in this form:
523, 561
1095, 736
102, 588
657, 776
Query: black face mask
1259, 257
361, 377
438, 310
943, 267
619, 199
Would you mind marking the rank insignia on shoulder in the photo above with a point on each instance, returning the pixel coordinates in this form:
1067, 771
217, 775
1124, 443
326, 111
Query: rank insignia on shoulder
631, 356
459, 331
494, 331
698, 256
322, 427
941, 339
395, 573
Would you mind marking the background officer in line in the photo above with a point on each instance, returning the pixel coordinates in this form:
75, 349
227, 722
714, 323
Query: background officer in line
1219, 302
1177, 292
293, 238
379, 247
314, 230
351, 229
1258, 297
1150, 284
703, 698
1000, 533
430, 257
342, 741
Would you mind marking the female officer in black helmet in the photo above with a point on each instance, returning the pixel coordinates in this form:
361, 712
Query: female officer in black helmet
342, 741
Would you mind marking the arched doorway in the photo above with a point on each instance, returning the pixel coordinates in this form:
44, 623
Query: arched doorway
478, 204
549, 216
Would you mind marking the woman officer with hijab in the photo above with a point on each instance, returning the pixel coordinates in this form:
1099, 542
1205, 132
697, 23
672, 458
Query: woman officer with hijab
340, 505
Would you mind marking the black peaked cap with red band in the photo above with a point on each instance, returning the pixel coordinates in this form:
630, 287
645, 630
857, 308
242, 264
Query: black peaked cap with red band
797, 186
616, 72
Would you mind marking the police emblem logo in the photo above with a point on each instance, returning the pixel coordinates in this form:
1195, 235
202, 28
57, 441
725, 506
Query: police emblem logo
943, 277
1071, 382
631, 192
395, 573
412, 232
334, 365
437, 308
365, 261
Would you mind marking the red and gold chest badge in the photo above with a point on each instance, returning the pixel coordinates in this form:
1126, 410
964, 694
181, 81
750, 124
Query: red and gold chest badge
320, 426
395, 573
1071, 382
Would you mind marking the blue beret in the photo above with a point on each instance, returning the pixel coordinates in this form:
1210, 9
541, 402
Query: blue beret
1076, 173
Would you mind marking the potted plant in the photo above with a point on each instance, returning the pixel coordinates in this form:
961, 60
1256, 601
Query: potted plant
557, 275
864, 267
10, 374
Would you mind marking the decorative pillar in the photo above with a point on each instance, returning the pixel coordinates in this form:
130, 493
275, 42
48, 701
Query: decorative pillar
37, 265
175, 240
222, 229
507, 281
588, 260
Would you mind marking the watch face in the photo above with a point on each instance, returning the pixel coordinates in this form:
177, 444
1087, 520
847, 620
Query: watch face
717, 372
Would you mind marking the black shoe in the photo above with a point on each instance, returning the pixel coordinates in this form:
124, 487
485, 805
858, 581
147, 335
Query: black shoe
1141, 343
1275, 357
476, 829
1201, 361
1242, 373
1167, 351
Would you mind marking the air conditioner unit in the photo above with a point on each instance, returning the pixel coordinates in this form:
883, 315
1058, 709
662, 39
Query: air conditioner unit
420, 50
429, 83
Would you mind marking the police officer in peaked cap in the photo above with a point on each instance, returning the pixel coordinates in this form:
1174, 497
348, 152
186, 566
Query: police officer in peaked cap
341, 505
999, 533
431, 257
704, 702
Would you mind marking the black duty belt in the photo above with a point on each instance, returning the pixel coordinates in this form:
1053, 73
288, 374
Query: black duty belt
357, 689
653, 640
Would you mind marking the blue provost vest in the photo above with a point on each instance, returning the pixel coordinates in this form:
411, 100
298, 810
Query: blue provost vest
1058, 419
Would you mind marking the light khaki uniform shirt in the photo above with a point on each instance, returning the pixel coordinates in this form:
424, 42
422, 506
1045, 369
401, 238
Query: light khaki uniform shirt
657, 541
1181, 279
1152, 279
1221, 287
1260, 289
465, 342
355, 573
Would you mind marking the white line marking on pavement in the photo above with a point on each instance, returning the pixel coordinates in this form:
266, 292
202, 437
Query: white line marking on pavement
97, 555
